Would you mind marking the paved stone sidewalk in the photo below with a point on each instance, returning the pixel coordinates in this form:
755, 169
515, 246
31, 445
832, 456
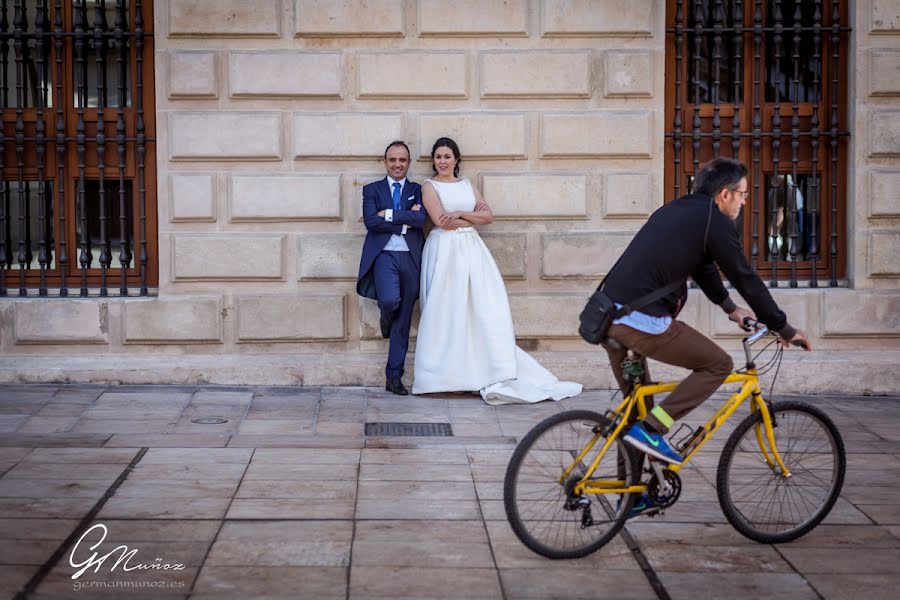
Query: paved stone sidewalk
289, 499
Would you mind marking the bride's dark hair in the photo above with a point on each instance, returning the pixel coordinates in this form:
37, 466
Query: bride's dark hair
449, 143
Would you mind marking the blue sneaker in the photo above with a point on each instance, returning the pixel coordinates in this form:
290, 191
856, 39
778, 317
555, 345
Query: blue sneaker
643, 505
652, 443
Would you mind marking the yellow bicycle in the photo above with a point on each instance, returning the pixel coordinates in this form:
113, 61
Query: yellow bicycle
572, 481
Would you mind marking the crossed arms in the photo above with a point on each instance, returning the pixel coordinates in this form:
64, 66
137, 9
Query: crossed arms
482, 214
374, 218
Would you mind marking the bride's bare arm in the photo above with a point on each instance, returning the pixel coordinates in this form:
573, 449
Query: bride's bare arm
482, 215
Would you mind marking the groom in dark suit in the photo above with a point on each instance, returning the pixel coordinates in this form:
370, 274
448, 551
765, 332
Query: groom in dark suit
392, 255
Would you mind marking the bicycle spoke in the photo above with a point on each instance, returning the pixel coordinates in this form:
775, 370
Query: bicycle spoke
758, 499
540, 503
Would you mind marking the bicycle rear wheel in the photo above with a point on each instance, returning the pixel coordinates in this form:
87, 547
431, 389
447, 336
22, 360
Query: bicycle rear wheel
756, 499
544, 512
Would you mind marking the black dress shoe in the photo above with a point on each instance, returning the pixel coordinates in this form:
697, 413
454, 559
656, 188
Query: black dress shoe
395, 386
385, 326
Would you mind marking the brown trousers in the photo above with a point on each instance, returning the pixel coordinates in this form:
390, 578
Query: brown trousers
682, 346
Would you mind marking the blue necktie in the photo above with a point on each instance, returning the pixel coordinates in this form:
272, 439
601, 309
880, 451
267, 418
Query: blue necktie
396, 196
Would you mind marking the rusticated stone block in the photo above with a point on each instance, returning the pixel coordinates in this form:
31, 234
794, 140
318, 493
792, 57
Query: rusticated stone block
597, 134
185, 320
483, 135
344, 135
225, 135
884, 250
69, 321
473, 18
291, 318
536, 196
357, 18
329, 256
627, 195
536, 74
607, 18
351, 190
884, 73
284, 198
795, 304
853, 313
509, 251
286, 74
192, 197
216, 257
369, 327
884, 199
411, 74
192, 74
627, 73
884, 132
885, 16
224, 18
582, 255
546, 315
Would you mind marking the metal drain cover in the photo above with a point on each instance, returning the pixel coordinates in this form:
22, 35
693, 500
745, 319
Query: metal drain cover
209, 421
409, 429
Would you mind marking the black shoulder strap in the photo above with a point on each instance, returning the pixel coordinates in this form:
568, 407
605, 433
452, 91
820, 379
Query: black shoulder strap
651, 297
655, 295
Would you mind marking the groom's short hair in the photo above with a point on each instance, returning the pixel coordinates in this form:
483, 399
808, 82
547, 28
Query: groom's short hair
397, 143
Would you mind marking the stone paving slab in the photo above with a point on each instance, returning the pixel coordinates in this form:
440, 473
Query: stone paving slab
574, 583
275, 583
847, 586
289, 499
713, 586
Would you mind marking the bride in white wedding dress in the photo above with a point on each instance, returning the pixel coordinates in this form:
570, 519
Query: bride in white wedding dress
466, 340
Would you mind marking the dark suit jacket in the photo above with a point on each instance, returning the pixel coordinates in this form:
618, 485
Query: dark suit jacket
376, 197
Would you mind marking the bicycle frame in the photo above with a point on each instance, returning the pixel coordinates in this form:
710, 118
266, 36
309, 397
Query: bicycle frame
749, 381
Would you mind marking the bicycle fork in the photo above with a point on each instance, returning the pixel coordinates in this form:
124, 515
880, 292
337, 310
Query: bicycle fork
768, 427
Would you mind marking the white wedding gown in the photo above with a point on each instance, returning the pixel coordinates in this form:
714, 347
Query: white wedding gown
466, 340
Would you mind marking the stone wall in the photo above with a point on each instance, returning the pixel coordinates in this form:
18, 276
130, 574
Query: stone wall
273, 114
272, 128
876, 152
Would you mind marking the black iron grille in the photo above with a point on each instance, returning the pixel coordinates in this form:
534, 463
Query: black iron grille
409, 429
77, 182
765, 81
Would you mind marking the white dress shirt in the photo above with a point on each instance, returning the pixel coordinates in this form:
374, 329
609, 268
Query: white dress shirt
396, 243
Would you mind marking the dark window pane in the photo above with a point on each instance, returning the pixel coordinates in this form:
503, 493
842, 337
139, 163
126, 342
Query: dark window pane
115, 233
35, 230
704, 12
791, 87
110, 76
35, 78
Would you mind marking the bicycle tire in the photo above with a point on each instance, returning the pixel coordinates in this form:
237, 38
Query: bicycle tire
760, 503
535, 500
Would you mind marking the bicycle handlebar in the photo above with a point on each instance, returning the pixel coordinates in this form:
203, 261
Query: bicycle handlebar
748, 341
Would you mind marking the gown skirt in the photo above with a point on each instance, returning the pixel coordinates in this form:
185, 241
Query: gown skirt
466, 340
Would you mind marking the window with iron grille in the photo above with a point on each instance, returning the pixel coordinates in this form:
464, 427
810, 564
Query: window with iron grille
765, 82
77, 166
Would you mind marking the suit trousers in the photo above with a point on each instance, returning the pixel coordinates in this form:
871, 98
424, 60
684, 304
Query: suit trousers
682, 346
397, 288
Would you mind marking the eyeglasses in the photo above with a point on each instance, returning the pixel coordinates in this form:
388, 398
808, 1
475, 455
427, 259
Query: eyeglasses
744, 194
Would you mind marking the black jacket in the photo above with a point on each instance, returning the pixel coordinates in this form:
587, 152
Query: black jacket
670, 247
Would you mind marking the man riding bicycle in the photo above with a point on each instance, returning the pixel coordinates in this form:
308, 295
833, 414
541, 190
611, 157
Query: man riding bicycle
694, 236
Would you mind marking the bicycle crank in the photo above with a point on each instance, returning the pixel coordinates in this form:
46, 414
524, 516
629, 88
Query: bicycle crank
664, 487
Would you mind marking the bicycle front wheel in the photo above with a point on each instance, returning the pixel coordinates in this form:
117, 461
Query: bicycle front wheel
761, 503
542, 508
